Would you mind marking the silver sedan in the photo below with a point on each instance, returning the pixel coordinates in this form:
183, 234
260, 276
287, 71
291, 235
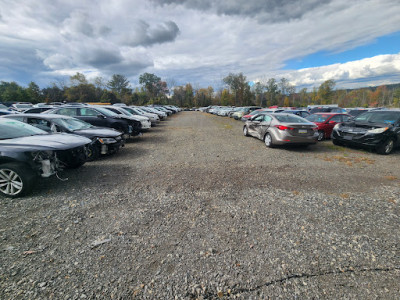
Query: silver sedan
281, 129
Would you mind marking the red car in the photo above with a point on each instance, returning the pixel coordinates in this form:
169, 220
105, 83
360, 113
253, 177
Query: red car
326, 122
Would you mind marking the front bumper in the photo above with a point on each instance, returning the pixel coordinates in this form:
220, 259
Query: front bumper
359, 139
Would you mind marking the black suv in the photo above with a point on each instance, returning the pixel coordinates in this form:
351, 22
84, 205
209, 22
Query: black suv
379, 130
99, 116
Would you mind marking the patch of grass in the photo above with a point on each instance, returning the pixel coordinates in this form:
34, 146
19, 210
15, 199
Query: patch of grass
349, 161
391, 177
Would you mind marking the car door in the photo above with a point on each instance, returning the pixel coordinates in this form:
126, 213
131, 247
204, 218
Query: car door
263, 126
254, 124
331, 123
92, 116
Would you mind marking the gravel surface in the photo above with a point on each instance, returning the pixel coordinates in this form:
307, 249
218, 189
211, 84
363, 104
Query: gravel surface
195, 210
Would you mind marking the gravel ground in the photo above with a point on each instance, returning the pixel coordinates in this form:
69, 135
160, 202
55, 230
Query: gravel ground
195, 210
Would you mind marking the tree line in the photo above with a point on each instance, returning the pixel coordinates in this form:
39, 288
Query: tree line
237, 91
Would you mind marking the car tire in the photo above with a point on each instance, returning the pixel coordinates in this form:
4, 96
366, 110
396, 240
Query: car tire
336, 142
321, 135
245, 131
268, 141
386, 148
93, 152
16, 180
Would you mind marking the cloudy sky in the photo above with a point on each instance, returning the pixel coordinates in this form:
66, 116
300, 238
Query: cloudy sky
356, 43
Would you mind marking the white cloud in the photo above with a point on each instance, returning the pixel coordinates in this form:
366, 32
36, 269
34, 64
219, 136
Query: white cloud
358, 73
200, 41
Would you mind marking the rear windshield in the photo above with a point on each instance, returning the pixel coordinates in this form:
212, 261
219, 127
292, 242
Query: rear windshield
10, 129
383, 117
290, 119
317, 118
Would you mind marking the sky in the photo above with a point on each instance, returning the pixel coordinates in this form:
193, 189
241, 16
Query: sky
356, 43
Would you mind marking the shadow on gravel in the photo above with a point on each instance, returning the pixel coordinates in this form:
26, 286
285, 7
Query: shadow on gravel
89, 176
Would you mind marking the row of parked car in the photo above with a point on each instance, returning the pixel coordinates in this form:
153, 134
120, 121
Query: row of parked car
34, 145
377, 129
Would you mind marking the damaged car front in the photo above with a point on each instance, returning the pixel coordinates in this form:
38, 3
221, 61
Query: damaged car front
379, 130
27, 153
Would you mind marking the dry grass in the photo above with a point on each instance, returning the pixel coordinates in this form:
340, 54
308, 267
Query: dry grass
349, 161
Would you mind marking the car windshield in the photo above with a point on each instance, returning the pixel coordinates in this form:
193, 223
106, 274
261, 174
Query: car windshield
385, 117
73, 124
11, 129
23, 105
3, 106
317, 118
139, 111
106, 112
290, 119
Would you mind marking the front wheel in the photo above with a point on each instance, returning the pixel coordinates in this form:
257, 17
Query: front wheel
386, 148
268, 141
321, 135
336, 142
16, 180
245, 131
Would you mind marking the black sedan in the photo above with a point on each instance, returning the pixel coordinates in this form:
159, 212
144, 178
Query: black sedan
98, 116
104, 140
379, 130
27, 153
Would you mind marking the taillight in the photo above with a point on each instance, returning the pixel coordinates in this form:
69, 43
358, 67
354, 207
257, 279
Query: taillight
281, 127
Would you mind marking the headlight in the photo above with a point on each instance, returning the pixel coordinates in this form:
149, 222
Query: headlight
107, 140
336, 127
378, 130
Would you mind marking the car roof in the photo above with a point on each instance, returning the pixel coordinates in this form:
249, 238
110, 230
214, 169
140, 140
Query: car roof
329, 113
44, 116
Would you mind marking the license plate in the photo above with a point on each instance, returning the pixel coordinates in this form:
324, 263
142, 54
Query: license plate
302, 130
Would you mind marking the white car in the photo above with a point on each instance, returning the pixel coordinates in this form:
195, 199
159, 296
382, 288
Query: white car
145, 121
154, 118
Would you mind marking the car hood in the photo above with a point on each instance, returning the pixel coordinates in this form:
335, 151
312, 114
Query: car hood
58, 141
361, 127
98, 132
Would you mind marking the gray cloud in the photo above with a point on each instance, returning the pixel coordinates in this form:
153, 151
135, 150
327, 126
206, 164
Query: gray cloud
263, 11
142, 34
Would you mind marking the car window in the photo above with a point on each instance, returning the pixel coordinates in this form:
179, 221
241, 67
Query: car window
290, 118
317, 118
345, 118
386, 117
336, 119
10, 129
259, 118
88, 112
267, 119
39, 123
67, 111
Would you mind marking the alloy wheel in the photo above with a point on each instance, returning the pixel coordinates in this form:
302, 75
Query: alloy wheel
10, 182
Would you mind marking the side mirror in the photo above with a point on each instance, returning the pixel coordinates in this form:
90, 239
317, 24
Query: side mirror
332, 122
101, 116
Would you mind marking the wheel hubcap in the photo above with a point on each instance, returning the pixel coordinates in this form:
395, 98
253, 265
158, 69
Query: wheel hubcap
389, 147
10, 182
267, 140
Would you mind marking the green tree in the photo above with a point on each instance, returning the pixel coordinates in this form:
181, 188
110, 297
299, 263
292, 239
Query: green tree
12, 92
118, 84
326, 92
53, 94
238, 85
272, 91
34, 93
151, 83
80, 90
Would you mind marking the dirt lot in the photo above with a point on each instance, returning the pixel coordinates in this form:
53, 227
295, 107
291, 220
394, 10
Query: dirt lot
194, 209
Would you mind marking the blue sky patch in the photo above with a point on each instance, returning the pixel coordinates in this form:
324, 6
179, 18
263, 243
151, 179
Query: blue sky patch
389, 44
